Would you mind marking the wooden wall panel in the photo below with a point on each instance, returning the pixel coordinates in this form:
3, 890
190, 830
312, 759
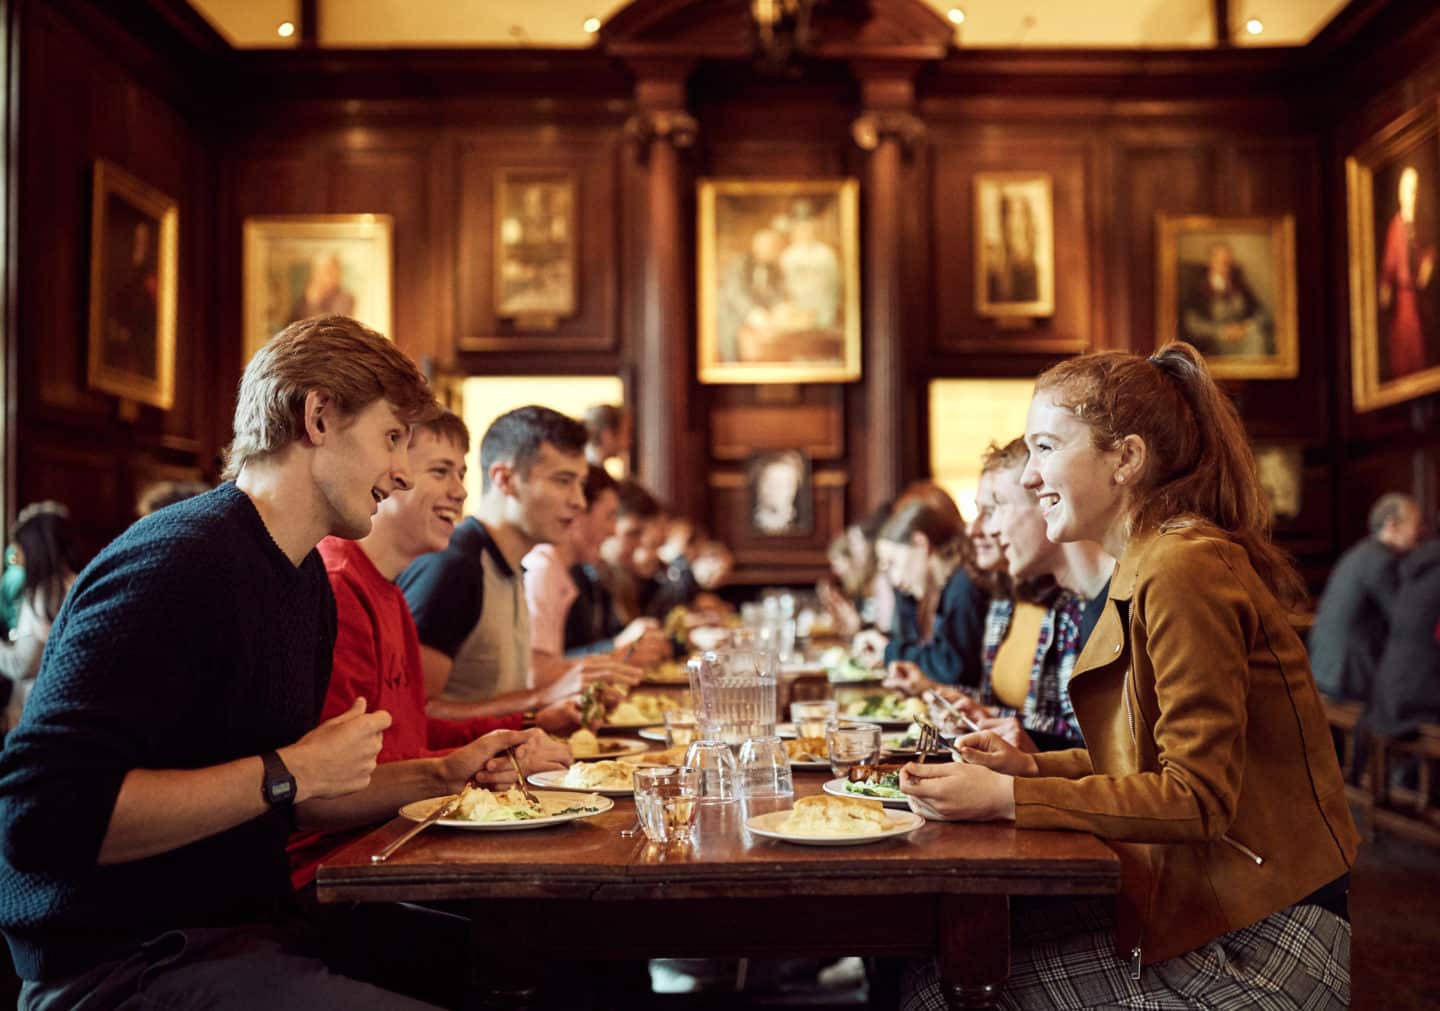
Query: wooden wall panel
592, 159
956, 157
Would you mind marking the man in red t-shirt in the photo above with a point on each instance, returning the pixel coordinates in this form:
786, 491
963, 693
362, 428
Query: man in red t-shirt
377, 650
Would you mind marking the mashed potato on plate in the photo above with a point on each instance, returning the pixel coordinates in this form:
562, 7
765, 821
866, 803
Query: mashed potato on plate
508, 805
824, 815
606, 775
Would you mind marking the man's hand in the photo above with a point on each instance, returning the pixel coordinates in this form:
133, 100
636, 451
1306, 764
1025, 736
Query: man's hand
957, 792
541, 753
642, 644
338, 756
560, 718
990, 750
586, 672
482, 761
869, 647
907, 677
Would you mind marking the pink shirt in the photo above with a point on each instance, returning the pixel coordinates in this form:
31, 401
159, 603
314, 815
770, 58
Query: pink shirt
549, 592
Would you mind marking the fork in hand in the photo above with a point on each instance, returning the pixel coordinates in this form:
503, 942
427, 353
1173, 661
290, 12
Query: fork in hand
520, 778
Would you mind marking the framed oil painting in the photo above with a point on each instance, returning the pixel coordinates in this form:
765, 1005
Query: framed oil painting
134, 239
315, 265
1280, 467
535, 244
779, 285
781, 496
1014, 245
1393, 185
1227, 286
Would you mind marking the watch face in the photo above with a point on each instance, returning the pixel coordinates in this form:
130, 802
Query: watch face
282, 791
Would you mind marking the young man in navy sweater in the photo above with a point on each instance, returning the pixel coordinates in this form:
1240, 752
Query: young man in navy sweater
171, 743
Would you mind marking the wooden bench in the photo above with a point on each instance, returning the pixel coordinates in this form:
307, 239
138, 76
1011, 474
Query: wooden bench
1397, 809
1344, 720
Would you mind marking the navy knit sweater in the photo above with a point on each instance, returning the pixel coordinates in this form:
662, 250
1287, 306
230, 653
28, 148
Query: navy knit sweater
189, 642
952, 653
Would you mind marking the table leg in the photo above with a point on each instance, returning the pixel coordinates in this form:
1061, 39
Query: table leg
974, 949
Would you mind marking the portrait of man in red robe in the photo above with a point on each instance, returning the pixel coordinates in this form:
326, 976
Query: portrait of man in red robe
1405, 284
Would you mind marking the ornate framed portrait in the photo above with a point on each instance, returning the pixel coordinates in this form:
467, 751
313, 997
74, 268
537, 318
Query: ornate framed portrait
535, 271
779, 285
1393, 186
781, 496
1014, 244
1227, 286
314, 265
134, 240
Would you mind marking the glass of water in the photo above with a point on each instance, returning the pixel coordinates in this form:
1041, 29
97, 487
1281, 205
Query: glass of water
852, 744
765, 768
814, 718
715, 763
664, 797
680, 725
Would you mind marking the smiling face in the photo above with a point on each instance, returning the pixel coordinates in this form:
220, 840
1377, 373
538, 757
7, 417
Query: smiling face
359, 461
988, 556
1018, 527
1072, 480
545, 500
421, 520
594, 527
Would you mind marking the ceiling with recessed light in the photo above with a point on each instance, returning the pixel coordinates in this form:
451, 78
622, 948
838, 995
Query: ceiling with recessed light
1140, 24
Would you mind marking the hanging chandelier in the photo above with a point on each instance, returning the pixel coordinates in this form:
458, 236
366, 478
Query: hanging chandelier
783, 31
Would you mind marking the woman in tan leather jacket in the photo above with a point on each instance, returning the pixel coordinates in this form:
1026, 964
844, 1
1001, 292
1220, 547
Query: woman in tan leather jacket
1208, 764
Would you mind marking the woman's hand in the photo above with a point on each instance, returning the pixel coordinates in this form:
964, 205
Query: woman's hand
907, 677
1010, 731
989, 750
953, 791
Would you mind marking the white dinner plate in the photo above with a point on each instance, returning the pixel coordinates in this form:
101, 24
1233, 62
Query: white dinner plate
591, 803
836, 788
554, 779
615, 747
771, 826
878, 720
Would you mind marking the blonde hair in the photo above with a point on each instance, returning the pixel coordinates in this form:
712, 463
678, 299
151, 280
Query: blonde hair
346, 359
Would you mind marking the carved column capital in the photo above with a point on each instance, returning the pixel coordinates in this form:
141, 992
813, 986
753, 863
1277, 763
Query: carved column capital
873, 127
675, 126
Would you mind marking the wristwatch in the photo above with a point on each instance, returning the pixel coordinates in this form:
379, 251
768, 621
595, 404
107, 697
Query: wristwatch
278, 786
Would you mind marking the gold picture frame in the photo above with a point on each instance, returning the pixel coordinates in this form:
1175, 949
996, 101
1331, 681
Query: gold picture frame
779, 280
313, 264
1227, 286
134, 263
536, 269
1394, 287
1014, 245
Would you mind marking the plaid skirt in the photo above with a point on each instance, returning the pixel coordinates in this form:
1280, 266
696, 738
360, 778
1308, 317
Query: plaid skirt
1064, 957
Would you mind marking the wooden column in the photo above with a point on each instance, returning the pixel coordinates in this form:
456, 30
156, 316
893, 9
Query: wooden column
662, 130
887, 130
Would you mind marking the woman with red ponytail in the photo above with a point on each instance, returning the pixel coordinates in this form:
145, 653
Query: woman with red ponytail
1208, 764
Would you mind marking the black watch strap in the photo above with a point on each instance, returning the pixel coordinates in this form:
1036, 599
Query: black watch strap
278, 786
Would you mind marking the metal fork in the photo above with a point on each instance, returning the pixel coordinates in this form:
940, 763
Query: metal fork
520, 777
929, 740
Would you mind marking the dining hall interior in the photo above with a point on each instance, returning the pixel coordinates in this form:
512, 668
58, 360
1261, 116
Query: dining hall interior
572, 203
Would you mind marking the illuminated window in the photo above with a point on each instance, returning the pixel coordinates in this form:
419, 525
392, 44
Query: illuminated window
485, 398
966, 415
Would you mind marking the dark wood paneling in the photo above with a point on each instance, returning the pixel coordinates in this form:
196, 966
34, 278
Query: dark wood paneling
592, 160
757, 555
748, 419
956, 158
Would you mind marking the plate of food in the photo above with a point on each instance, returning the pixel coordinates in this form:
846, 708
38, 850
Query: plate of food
834, 821
808, 753
607, 777
668, 672
886, 709
878, 782
842, 668
508, 810
670, 756
585, 745
640, 711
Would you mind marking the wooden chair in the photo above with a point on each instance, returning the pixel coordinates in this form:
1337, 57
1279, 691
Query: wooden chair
1344, 718
1407, 812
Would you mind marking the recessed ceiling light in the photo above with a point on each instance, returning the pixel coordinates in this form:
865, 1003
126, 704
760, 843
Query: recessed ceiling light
591, 25
956, 16
286, 29
1254, 26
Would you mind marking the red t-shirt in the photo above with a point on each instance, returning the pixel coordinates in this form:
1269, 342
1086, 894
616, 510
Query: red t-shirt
377, 656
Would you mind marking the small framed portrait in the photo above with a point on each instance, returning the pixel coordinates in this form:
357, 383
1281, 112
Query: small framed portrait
315, 265
1014, 245
782, 498
779, 285
1280, 467
535, 243
1393, 186
134, 239
1227, 286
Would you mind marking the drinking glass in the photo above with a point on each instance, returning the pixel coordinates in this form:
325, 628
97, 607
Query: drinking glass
765, 768
716, 765
814, 718
680, 727
737, 689
664, 802
852, 744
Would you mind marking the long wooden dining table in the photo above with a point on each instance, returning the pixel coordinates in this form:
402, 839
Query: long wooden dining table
581, 891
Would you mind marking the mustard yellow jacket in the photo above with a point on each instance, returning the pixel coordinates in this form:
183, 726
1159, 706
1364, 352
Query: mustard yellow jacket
1208, 763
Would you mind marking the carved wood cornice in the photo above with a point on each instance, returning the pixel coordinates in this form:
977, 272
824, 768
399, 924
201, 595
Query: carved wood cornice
870, 129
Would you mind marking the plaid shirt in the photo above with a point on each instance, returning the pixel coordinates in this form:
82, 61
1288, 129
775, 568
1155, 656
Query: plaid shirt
1047, 704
